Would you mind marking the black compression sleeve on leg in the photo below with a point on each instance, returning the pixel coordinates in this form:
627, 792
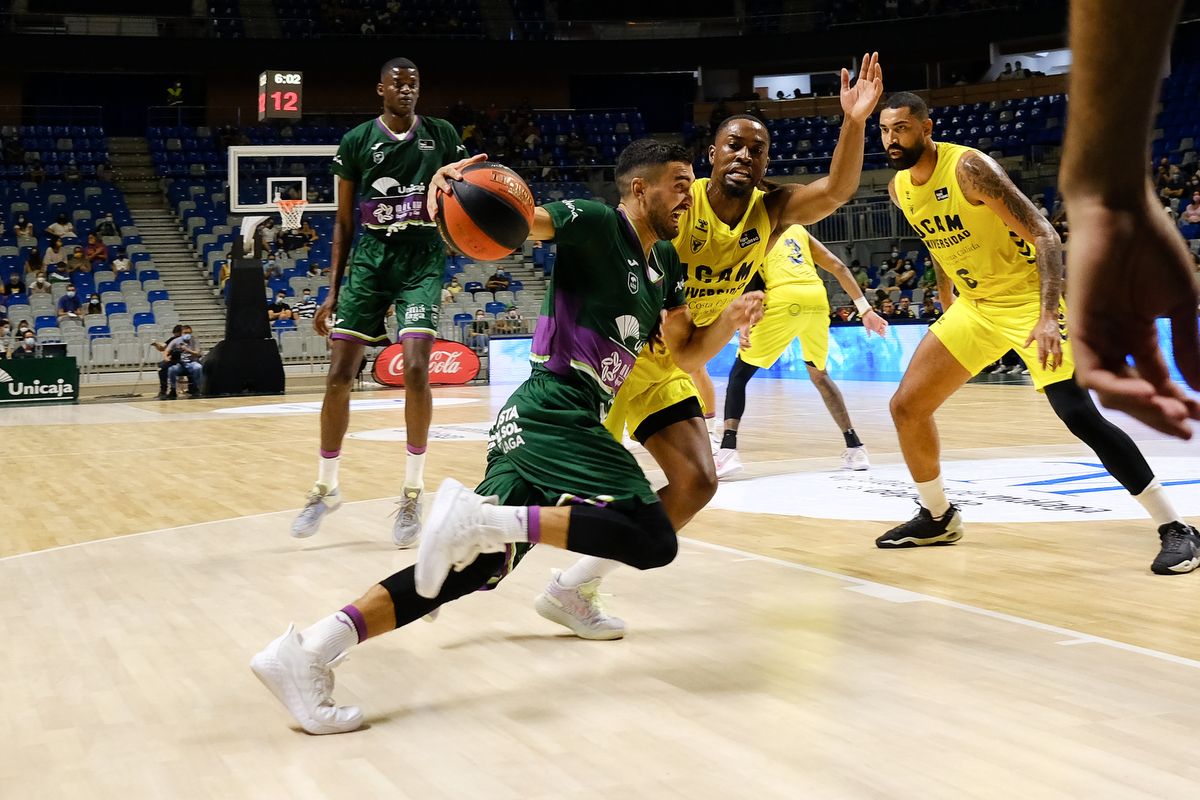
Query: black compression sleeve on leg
735, 392
1117, 452
410, 606
643, 538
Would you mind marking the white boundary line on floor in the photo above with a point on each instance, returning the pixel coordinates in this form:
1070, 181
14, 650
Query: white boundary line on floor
881, 591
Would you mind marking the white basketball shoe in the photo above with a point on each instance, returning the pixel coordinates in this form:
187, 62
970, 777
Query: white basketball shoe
321, 501
728, 462
453, 535
578, 608
855, 458
407, 525
304, 685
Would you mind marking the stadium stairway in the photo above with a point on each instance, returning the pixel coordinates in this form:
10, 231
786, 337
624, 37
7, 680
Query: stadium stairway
179, 267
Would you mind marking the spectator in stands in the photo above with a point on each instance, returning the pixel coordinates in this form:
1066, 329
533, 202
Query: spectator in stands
499, 281
15, 285
292, 240
1191, 214
307, 307
454, 287
77, 262
1007, 74
1163, 172
268, 233
310, 235
27, 348
61, 228
37, 173
22, 329
188, 364
69, 304
33, 262
477, 332
95, 252
106, 226
93, 306
39, 285
907, 276
6, 339
447, 296
278, 307
887, 310
1040, 204
166, 363
1175, 184
929, 311
1019, 71
22, 227
271, 267
287, 315
55, 254
904, 309
511, 322
121, 262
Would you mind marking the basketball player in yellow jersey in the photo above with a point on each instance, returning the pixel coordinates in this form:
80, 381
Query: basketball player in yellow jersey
1005, 260
722, 242
797, 306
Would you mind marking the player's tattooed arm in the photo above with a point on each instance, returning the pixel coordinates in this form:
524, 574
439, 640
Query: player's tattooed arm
985, 182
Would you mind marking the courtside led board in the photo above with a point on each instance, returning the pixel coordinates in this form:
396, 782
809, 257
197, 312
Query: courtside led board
280, 94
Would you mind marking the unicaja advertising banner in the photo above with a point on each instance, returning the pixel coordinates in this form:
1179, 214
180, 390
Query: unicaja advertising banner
450, 364
39, 380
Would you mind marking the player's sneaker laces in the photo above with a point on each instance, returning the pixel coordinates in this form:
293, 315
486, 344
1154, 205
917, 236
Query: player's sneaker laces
304, 685
321, 501
1180, 551
855, 458
728, 462
453, 535
924, 529
578, 608
407, 525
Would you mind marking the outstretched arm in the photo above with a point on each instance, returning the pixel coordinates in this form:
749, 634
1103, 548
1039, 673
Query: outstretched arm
827, 261
693, 346
1124, 253
803, 204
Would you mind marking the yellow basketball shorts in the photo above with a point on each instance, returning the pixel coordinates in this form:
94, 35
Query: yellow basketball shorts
800, 312
977, 332
654, 384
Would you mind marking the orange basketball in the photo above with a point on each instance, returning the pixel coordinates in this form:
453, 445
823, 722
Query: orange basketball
487, 214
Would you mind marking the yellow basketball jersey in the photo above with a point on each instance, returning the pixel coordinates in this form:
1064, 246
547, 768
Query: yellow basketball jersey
790, 261
979, 253
719, 260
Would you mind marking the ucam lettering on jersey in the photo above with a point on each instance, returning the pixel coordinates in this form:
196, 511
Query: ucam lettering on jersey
986, 490
450, 364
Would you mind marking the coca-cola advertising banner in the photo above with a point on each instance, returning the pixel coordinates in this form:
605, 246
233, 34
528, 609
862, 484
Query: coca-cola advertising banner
450, 364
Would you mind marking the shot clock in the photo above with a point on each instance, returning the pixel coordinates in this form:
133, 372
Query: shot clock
280, 94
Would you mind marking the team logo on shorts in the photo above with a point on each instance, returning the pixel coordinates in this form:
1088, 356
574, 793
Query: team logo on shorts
377, 156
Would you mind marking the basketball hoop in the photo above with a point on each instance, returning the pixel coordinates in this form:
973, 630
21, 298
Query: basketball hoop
290, 211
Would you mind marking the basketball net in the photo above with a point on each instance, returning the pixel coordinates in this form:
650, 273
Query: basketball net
290, 212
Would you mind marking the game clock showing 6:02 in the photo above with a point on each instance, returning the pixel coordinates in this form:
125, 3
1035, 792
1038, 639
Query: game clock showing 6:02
280, 94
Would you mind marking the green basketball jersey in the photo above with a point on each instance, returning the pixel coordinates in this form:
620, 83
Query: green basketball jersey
604, 298
391, 173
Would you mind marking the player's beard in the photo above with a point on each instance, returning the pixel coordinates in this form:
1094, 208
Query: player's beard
662, 225
909, 156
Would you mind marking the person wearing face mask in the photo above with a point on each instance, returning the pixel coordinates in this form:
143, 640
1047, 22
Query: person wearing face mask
165, 365
106, 226
28, 347
93, 306
1191, 214
39, 285
278, 307
6, 343
22, 227
69, 304
188, 352
308, 306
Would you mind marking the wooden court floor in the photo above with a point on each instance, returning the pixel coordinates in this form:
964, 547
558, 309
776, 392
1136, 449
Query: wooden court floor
145, 557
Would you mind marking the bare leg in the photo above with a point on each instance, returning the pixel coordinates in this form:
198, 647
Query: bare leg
682, 450
418, 399
345, 356
832, 396
708, 392
932, 376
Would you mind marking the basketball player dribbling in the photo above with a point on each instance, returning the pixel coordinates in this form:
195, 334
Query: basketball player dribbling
383, 168
722, 242
554, 475
797, 306
1005, 260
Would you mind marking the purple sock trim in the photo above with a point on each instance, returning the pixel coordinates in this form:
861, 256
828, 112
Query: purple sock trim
417, 451
360, 624
710, 415
330, 453
533, 525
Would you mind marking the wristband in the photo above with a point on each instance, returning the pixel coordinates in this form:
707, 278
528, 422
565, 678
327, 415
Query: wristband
862, 305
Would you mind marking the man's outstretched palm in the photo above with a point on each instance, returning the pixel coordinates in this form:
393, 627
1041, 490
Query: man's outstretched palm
859, 100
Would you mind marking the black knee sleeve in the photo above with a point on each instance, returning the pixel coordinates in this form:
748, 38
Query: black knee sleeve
411, 606
643, 538
1117, 452
735, 392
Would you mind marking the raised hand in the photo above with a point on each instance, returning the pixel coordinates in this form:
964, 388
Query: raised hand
859, 100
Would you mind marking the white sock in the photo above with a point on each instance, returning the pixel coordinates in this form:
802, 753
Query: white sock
511, 520
711, 424
1157, 504
933, 496
327, 471
585, 569
330, 637
414, 470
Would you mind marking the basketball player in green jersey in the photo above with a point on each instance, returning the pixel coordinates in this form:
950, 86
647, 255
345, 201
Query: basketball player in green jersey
1005, 262
383, 168
555, 475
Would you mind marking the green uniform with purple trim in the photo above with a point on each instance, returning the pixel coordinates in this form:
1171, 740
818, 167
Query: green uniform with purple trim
399, 258
549, 445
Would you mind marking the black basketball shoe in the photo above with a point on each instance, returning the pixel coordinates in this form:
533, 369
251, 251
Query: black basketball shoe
1180, 551
924, 529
